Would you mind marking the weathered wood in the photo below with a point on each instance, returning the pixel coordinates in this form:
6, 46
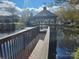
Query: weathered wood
14, 45
41, 49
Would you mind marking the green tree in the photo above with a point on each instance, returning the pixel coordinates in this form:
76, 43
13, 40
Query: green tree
74, 1
70, 14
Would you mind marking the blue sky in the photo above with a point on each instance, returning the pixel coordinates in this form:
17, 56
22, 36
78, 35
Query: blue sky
31, 3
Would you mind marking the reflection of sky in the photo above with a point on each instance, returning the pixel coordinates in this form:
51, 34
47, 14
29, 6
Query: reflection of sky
31, 3
63, 53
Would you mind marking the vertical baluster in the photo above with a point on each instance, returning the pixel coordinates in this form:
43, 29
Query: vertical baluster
29, 36
6, 49
34, 33
3, 51
21, 40
9, 50
19, 43
0, 52
12, 48
9, 44
15, 47
14, 55
19, 47
24, 40
24, 43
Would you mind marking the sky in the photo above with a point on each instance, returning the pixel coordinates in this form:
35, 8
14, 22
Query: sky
31, 3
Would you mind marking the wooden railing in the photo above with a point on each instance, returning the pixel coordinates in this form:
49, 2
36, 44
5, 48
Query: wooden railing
53, 41
42, 47
16, 45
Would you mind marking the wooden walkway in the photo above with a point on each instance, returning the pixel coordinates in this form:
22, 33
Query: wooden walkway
41, 49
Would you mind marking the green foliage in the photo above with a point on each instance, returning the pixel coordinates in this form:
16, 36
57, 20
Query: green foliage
77, 54
74, 1
19, 25
70, 14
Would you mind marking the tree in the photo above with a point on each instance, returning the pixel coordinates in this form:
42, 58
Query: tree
59, 2
74, 1
70, 14
50, 4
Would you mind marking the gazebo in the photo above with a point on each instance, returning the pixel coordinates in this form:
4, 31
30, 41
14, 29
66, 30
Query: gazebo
43, 19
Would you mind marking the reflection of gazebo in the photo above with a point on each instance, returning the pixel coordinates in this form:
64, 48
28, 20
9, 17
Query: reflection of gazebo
43, 19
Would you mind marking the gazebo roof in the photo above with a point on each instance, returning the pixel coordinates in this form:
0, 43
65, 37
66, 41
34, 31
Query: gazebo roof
45, 13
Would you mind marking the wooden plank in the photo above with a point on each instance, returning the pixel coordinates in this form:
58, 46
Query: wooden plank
41, 49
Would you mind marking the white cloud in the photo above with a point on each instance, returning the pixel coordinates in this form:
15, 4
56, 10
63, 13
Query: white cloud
77, 6
7, 4
33, 10
54, 8
9, 7
37, 10
18, 9
4, 13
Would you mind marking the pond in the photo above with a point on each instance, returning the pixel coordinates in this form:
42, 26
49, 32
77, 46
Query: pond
64, 53
65, 46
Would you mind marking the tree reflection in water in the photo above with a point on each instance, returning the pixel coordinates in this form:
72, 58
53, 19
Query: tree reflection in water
66, 44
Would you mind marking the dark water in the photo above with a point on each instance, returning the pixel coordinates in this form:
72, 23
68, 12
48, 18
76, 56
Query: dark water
64, 53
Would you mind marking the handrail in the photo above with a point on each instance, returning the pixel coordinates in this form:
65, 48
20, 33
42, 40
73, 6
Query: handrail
13, 45
46, 45
42, 47
14, 34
